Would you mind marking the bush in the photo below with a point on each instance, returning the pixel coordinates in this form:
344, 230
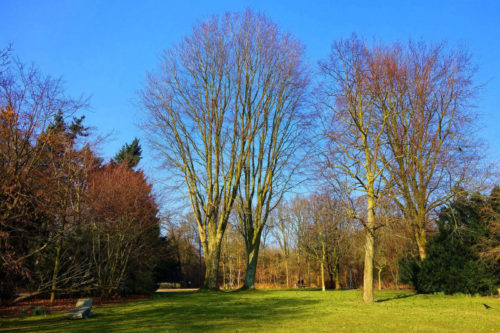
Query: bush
40, 311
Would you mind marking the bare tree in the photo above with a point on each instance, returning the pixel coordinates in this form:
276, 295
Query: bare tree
425, 93
354, 130
275, 79
202, 118
322, 232
284, 232
313, 233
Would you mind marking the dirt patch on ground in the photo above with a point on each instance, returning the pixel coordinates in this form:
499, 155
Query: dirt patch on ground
59, 305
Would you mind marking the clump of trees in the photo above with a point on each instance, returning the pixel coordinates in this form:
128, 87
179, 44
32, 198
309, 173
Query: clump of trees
69, 223
397, 120
393, 123
386, 137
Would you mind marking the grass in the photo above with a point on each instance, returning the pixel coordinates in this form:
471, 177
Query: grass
279, 311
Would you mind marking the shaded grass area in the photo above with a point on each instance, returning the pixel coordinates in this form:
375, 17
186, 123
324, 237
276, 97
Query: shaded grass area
278, 311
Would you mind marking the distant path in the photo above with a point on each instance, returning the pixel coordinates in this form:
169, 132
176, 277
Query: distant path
168, 290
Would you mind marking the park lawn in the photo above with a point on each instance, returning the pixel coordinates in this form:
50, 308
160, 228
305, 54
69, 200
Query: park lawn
278, 311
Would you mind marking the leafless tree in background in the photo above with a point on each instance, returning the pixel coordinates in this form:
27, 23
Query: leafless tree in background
284, 231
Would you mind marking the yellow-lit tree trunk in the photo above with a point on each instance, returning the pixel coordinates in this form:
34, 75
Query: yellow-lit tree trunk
379, 280
337, 279
211, 254
323, 259
369, 249
420, 236
322, 265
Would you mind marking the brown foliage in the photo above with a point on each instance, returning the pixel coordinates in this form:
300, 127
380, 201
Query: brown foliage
122, 220
28, 101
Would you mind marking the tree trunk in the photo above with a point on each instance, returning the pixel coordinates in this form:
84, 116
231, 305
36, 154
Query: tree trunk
200, 265
212, 258
369, 251
299, 270
397, 279
337, 279
323, 259
223, 274
230, 273
322, 276
56, 271
252, 256
308, 273
379, 282
286, 271
421, 239
238, 267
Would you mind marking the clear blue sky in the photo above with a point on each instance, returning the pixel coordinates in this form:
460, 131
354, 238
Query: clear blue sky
104, 48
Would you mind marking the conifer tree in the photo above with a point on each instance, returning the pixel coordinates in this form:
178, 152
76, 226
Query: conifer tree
131, 153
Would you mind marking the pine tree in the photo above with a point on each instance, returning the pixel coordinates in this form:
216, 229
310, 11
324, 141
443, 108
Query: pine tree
129, 153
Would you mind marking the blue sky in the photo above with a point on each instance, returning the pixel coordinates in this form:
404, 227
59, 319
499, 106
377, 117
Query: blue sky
103, 49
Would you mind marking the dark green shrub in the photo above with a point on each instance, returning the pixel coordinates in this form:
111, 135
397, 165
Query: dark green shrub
40, 311
409, 269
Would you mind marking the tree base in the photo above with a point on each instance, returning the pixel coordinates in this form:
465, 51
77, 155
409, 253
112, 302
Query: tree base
243, 288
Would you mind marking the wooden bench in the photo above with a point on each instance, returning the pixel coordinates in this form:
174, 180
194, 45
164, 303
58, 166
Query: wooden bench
82, 309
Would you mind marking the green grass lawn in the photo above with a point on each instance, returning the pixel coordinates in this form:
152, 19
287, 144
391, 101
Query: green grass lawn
278, 311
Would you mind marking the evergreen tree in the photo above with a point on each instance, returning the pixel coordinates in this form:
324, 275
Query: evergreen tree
454, 263
76, 128
129, 153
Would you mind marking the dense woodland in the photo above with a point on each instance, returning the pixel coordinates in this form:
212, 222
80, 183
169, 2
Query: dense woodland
361, 171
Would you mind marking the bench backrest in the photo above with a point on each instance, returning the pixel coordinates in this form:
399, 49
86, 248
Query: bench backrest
84, 303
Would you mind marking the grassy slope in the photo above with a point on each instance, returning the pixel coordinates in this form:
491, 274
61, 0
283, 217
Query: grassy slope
279, 310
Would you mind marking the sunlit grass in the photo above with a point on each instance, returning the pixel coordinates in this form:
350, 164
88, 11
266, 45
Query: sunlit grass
279, 311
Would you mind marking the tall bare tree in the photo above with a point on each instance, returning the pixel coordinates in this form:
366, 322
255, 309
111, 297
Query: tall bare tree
275, 80
202, 117
355, 133
425, 93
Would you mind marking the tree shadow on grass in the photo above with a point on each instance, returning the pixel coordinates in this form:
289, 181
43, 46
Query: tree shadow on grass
226, 313
394, 298
180, 312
